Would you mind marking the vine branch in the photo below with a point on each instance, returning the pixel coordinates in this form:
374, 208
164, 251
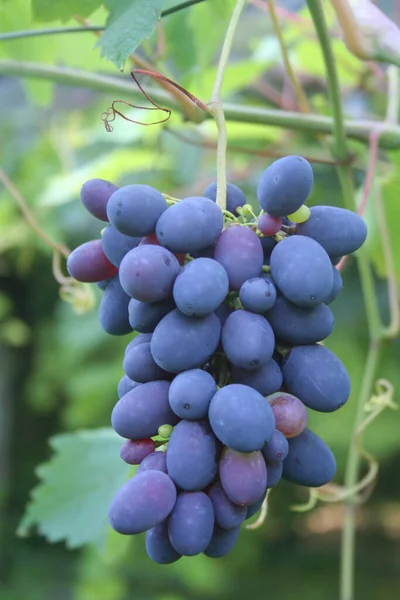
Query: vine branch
216, 107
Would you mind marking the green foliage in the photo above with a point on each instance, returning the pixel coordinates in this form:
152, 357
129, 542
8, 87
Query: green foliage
63, 10
71, 501
129, 23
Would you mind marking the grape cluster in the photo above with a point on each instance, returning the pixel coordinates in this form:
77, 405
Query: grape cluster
229, 310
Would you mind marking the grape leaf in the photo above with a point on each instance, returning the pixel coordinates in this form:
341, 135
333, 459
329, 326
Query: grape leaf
63, 10
71, 501
129, 23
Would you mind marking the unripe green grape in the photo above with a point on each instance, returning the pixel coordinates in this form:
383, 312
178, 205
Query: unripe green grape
165, 431
301, 215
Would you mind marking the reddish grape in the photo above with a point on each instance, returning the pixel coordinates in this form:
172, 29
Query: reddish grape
269, 225
153, 241
89, 264
290, 413
134, 451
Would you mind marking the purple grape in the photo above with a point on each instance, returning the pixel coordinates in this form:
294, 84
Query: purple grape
227, 514
277, 448
190, 225
337, 286
316, 376
95, 195
134, 451
143, 410
222, 542
135, 209
243, 476
241, 418
191, 523
258, 294
145, 316
266, 379
290, 413
192, 455
285, 185
147, 273
269, 225
126, 385
141, 338
200, 287
190, 394
113, 311
252, 509
240, 252
302, 270
142, 502
274, 472
89, 264
156, 461
247, 339
116, 245
310, 462
158, 546
180, 343
140, 366
338, 230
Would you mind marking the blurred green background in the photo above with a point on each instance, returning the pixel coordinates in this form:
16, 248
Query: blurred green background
59, 370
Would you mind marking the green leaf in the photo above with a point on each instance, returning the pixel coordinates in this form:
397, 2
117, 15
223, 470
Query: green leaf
129, 23
71, 501
63, 10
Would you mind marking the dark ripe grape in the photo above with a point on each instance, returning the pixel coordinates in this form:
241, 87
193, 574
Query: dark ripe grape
134, 451
222, 312
89, 264
337, 286
285, 185
239, 251
247, 339
337, 230
135, 209
258, 294
266, 380
274, 472
222, 542
113, 311
158, 546
290, 413
277, 448
269, 225
116, 245
145, 316
180, 343
200, 287
103, 284
142, 502
310, 462
335, 260
316, 376
190, 225
141, 411
192, 455
243, 476
190, 394
147, 273
141, 338
252, 509
140, 366
296, 325
126, 385
227, 514
268, 244
156, 461
301, 269
95, 195
241, 418
191, 523
234, 196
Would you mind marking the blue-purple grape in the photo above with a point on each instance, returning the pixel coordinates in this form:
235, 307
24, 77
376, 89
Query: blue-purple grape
267, 379
234, 196
277, 448
156, 461
191, 523
240, 252
200, 287
241, 418
258, 294
227, 514
140, 365
113, 311
115, 244
95, 194
145, 316
190, 394
222, 542
135, 209
125, 385
243, 476
310, 462
142, 502
159, 547
247, 339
